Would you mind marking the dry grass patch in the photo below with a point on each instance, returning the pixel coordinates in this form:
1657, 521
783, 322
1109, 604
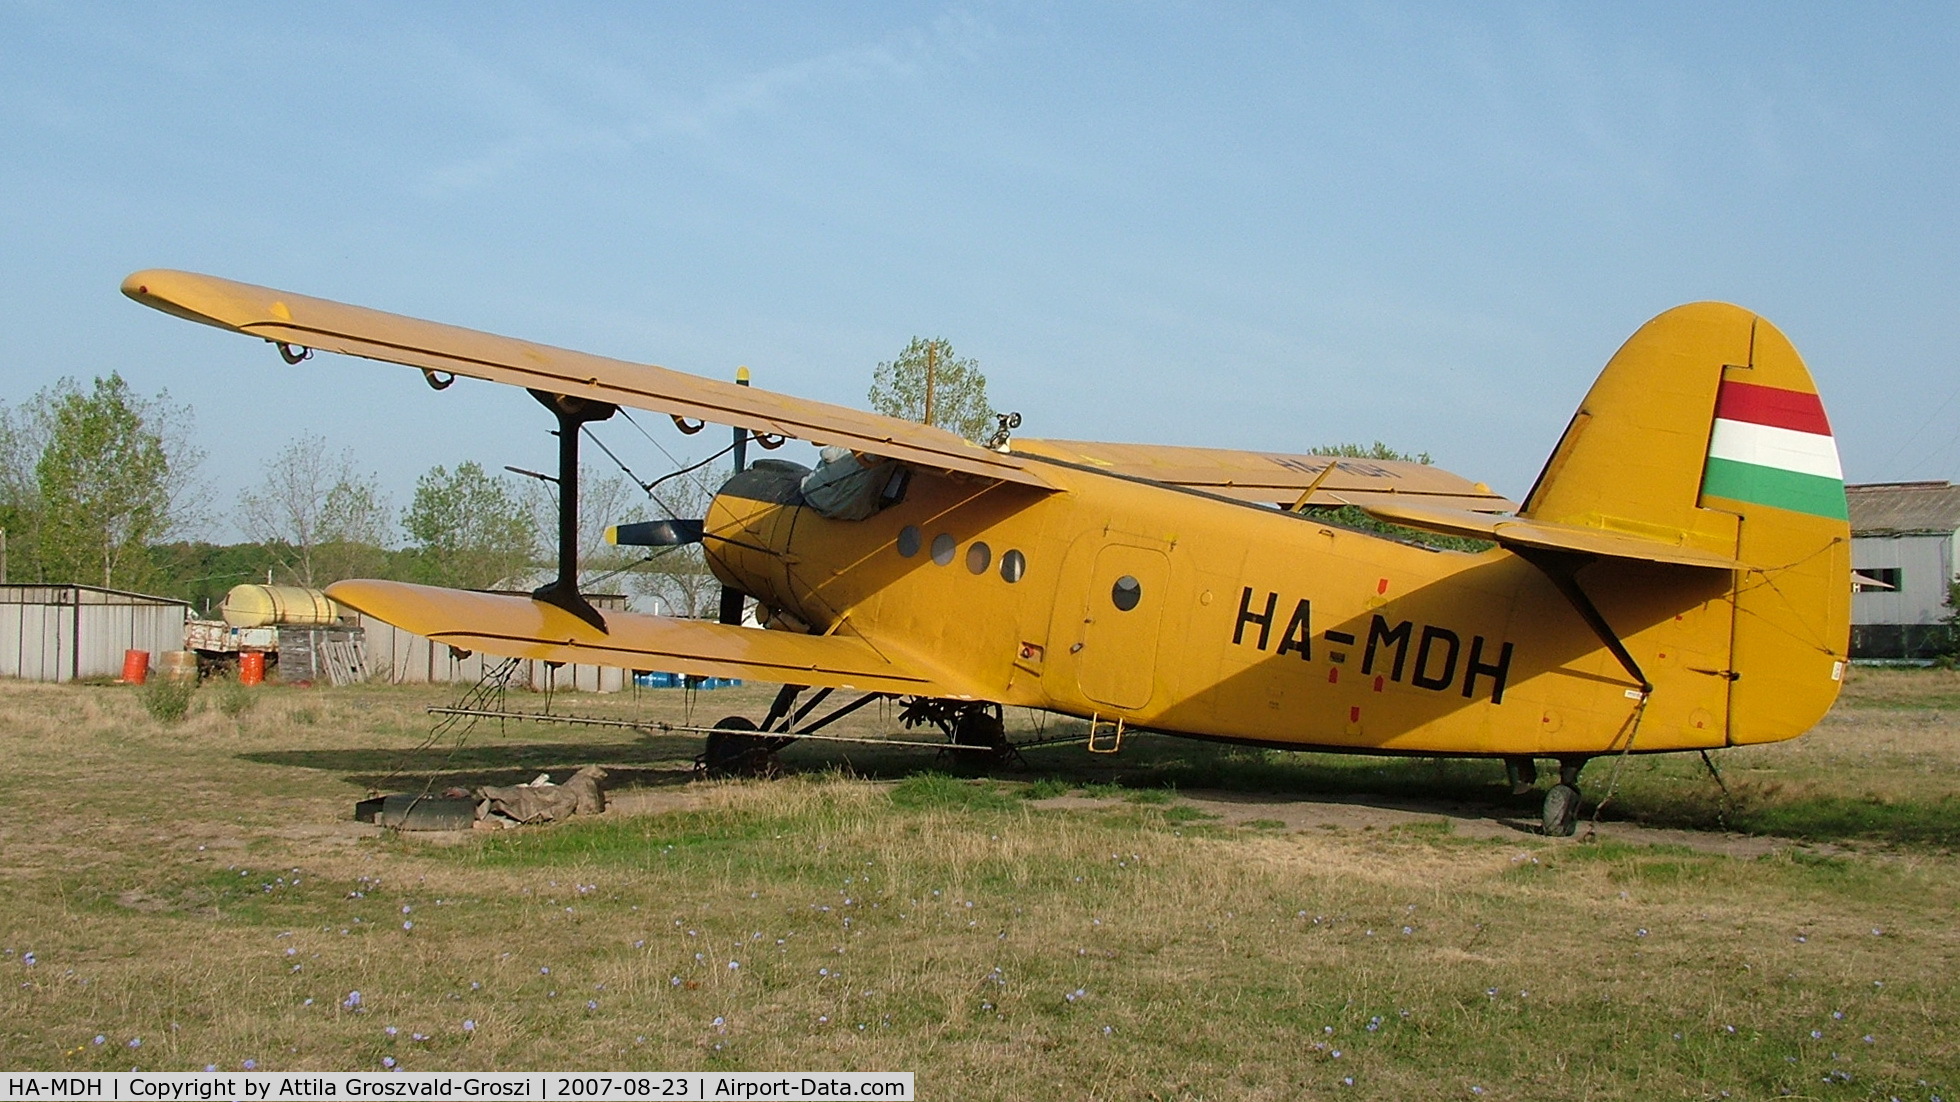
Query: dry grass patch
197, 888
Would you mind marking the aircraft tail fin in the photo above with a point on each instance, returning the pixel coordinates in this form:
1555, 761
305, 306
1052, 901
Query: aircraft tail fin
1705, 431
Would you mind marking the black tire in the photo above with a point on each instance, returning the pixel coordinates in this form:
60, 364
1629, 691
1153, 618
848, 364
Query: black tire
1561, 815
981, 727
732, 752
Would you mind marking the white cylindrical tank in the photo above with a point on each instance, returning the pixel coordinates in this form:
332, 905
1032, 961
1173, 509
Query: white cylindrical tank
257, 606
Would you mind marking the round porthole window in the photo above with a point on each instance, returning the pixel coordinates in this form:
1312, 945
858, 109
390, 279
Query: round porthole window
1013, 565
909, 540
979, 557
1125, 593
943, 546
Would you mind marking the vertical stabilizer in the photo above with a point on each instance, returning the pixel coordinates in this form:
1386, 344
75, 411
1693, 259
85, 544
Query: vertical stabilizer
1706, 431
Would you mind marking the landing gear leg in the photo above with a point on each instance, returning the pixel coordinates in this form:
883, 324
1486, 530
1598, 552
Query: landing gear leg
1561, 814
984, 726
1522, 773
965, 724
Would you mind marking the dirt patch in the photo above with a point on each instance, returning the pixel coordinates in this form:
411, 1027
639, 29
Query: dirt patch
1297, 812
338, 832
651, 801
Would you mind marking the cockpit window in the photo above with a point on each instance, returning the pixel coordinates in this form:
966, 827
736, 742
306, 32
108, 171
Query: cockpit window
849, 486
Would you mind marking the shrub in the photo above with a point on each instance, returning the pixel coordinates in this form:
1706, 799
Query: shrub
235, 698
168, 701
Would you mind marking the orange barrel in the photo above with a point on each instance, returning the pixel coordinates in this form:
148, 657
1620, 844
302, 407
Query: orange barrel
251, 667
136, 666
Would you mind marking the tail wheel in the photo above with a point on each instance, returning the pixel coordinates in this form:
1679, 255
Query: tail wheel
734, 751
1561, 811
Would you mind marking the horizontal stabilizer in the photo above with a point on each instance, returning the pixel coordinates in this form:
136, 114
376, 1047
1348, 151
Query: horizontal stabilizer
519, 627
1520, 533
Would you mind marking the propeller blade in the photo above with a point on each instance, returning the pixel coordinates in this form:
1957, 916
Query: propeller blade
655, 533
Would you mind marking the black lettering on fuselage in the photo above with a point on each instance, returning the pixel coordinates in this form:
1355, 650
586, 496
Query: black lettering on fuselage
1423, 677
1298, 635
1439, 651
1380, 632
1247, 616
1498, 670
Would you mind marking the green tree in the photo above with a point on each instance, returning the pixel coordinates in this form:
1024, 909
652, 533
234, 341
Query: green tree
1352, 516
468, 529
1376, 450
202, 573
929, 384
327, 520
1948, 652
113, 472
20, 495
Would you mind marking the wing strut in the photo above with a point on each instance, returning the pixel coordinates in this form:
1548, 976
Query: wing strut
730, 611
1563, 567
573, 414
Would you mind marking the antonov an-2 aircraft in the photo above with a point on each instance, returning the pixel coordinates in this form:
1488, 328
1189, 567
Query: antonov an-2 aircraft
1678, 578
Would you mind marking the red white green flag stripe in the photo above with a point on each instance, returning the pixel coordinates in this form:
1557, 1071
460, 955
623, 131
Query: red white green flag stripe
1773, 447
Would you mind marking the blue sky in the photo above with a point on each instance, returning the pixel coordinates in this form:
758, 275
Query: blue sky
1231, 225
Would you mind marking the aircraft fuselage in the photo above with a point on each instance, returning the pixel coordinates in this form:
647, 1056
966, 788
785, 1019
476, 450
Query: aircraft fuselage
1185, 613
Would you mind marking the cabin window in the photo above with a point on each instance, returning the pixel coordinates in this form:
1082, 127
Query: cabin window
979, 557
943, 546
1126, 593
909, 540
1013, 565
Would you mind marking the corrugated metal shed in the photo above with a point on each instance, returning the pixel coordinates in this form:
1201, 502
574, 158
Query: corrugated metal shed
1900, 507
62, 632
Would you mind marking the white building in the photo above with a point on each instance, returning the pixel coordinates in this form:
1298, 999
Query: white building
1902, 535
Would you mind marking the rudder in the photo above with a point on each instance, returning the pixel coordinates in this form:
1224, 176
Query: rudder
1705, 431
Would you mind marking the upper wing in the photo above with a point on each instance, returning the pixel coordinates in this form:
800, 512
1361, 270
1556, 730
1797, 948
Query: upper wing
357, 331
520, 627
1266, 477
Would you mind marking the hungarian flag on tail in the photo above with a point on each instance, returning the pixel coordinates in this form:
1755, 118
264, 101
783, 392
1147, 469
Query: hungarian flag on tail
1774, 447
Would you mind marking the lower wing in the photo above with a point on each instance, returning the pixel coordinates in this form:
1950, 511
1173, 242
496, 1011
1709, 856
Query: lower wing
519, 627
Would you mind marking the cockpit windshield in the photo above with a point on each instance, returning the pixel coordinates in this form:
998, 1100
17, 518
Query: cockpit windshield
850, 486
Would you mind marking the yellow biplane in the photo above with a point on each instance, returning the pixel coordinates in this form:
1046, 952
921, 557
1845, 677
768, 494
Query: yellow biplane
1676, 580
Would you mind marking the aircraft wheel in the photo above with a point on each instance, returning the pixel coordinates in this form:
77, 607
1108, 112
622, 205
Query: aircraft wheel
732, 752
981, 727
1561, 811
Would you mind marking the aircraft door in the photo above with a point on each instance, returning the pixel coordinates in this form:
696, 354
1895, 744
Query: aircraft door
1129, 589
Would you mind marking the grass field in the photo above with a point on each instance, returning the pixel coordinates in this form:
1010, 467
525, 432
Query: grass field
192, 894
